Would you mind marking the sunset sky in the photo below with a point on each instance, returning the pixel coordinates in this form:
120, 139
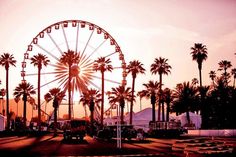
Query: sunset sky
144, 29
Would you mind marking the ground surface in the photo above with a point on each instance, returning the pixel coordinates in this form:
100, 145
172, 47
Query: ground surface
48, 145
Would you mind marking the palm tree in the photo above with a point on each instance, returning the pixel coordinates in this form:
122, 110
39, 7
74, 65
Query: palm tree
212, 75
7, 60
57, 96
194, 81
69, 58
39, 61
134, 68
25, 90
91, 98
185, 98
168, 98
150, 91
141, 94
223, 66
119, 95
161, 67
199, 54
233, 72
17, 99
31, 101
102, 64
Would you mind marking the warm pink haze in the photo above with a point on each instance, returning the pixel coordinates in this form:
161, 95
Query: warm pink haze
144, 30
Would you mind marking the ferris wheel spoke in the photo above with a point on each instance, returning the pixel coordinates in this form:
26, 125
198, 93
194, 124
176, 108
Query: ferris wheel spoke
96, 86
63, 81
54, 65
48, 83
54, 42
64, 34
117, 67
108, 80
82, 55
94, 51
33, 74
110, 54
77, 38
53, 56
89, 63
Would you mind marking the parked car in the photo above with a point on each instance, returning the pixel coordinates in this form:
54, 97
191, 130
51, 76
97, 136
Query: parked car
127, 132
75, 128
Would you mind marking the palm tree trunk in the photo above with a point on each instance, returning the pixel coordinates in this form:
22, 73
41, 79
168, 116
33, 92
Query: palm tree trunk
91, 121
39, 104
163, 111
200, 77
153, 102
102, 105
24, 109
153, 113
132, 102
69, 94
7, 96
167, 112
188, 117
17, 109
55, 121
122, 115
159, 102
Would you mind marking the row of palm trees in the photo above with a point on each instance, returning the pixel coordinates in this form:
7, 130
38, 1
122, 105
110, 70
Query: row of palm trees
153, 89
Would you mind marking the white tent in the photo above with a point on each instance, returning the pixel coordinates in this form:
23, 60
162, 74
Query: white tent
194, 118
2, 122
142, 118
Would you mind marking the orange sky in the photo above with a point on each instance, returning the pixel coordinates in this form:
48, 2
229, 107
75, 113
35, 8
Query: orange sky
144, 30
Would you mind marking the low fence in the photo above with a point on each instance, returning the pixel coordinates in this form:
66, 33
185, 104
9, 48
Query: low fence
222, 132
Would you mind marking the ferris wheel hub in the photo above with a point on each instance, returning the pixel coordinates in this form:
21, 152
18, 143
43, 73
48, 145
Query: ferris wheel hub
75, 70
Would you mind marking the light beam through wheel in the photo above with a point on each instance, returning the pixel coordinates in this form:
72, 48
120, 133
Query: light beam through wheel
90, 42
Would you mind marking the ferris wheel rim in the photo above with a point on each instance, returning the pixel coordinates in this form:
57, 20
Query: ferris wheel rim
77, 24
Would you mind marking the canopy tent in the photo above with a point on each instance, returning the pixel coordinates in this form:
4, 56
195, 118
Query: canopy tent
194, 118
2, 122
142, 118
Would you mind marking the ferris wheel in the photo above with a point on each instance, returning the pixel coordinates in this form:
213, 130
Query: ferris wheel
88, 40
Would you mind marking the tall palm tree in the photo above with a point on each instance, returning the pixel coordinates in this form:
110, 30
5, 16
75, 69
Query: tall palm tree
199, 54
161, 67
7, 60
135, 67
39, 61
119, 95
57, 96
69, 58
168, 98
212, 75
185, 95
223, 66
92, 98
102, 64
25, 90
233, 72
151, 91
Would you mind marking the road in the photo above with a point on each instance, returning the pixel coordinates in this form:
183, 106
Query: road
55, 146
